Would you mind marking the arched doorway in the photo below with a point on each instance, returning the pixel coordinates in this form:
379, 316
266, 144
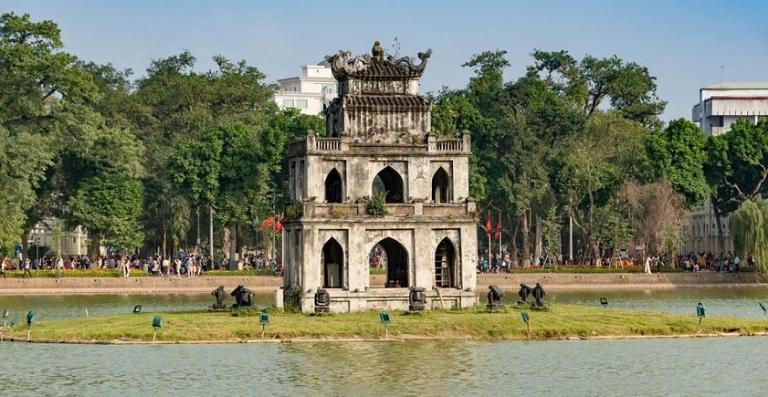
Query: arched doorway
445, 265
440, 186
390, 183
333, 264
388, 264
333, 187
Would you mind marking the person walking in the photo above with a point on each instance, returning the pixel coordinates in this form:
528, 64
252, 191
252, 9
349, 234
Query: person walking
27, 265
177, 266
647, 265
59, 267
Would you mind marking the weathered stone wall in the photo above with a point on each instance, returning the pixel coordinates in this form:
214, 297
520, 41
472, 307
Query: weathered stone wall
358, 172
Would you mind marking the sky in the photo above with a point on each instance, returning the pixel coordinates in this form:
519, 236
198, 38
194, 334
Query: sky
685, 44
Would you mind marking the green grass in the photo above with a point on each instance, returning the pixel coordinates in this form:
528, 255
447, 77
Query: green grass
559, 321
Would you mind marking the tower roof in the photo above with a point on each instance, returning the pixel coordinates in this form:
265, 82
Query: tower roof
377, 65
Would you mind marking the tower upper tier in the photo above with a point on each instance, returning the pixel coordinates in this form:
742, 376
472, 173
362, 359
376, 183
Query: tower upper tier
378, 98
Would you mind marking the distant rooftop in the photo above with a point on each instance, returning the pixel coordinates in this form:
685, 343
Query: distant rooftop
738, 86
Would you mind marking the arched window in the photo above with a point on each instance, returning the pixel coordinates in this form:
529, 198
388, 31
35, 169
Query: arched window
333, 190
333, 264
389, 258
390, 183
445, 260
440, 186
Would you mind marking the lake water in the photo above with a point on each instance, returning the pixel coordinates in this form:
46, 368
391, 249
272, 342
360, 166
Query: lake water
651, 367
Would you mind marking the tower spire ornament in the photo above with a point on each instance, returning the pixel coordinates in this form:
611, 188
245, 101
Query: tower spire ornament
377, 51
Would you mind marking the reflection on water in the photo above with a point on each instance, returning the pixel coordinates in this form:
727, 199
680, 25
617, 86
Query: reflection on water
653, 367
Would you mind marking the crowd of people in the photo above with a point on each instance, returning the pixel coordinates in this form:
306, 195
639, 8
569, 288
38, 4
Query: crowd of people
182, 264
725, 262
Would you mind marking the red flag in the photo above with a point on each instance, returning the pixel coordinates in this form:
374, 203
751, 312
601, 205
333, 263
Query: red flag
268, 222
498, 228
278, 225
488, 224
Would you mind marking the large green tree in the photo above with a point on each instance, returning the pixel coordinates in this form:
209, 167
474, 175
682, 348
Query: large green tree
677, 153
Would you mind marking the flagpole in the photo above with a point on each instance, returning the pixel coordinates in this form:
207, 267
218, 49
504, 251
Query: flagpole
488, 227
499, 231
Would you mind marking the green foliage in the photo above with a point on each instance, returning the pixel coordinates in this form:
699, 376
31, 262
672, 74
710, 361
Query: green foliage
110, 206
737, 164
293, 211
377, 205
677, 154
749, 228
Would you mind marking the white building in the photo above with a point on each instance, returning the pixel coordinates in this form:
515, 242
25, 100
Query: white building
73, 243
309, 92
720, 105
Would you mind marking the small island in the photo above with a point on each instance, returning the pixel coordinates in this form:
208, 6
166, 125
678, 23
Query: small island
558, 322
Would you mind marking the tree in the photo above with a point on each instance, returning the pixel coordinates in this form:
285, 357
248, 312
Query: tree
677, 154
737, 164
592, 167
44, 106
110, 207
656, 211
749, 226
737, 167
226, 168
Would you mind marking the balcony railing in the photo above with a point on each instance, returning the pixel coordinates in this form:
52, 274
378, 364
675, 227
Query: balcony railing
453, 145
328, 144
312, 209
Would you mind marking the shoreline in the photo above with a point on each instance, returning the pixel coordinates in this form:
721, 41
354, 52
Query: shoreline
269, 284
396, 338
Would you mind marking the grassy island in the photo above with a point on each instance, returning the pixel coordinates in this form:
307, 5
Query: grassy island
560, 321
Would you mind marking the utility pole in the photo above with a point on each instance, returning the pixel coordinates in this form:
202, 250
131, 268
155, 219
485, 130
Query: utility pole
197, 212
210, 232
274, 226
499, 231
570, 238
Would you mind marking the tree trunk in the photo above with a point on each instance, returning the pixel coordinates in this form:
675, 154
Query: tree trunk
513, 243
233, 244
537, 250
165, 240
226, 241
525, 231
93, 247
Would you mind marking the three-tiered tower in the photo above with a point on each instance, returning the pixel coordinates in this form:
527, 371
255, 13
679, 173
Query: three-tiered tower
379, 141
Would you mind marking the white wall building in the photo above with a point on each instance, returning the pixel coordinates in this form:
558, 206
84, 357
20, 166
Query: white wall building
720, 105
73, 242
309, 92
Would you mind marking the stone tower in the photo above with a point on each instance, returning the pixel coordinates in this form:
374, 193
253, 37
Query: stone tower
378, 141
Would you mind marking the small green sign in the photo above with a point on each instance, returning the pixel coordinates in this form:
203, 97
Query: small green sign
384, 317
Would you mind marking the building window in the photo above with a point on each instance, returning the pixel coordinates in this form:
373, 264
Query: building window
328, 89
441, 186
389, 183
716, 121
301, 103
288, 103
333, 191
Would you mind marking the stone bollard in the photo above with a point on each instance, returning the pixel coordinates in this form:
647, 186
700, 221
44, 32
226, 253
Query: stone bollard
279, 303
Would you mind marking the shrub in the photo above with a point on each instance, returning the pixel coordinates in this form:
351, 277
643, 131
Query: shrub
294, 211
377, 205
